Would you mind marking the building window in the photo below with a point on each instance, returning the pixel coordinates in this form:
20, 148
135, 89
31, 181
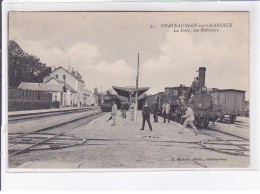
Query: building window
57, 77
64, 77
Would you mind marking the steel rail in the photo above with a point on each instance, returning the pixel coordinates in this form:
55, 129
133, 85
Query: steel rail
202, 143
228, 133
53, 126
223, 150
23, 150
45, 114
49, 128
58, 144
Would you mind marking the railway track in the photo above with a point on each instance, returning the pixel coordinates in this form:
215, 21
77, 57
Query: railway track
233, 144
41, 139
37, 115
236, 145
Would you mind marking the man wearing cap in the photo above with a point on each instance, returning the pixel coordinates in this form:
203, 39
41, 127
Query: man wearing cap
155, 109
146, 115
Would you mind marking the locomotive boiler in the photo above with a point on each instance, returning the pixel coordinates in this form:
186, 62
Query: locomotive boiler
201, 101
107, 102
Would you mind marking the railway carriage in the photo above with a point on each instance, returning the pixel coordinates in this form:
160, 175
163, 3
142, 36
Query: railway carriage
232, 103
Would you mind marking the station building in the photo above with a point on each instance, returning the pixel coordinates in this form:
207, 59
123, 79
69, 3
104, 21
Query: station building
72, 82
65, 85
57, 90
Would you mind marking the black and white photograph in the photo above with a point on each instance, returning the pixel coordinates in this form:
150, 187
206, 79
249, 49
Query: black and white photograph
128, 90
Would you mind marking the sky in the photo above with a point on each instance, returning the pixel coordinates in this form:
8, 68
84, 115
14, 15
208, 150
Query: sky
103, 46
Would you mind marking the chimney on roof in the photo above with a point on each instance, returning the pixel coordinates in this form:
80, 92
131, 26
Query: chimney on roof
53, 68
202, 76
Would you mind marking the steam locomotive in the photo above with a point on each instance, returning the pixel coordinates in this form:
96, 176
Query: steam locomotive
107, 102
196, 96
201, 101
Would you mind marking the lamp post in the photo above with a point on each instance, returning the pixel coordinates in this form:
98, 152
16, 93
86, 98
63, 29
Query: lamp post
136, 94
64, 89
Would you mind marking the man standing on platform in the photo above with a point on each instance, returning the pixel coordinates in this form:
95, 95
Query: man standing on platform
123, 110
166, 112
146, 115
132, 109
155, 112
113, 113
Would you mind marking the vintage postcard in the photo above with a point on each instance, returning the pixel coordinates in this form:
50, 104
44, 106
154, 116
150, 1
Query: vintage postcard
128, 90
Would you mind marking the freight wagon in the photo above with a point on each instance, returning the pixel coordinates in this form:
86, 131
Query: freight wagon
232, 103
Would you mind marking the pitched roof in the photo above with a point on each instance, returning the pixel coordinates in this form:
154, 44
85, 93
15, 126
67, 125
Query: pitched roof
229, 90
62, 82
41, 87
68, 73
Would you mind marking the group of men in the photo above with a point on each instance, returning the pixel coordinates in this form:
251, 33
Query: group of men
124, 108
146, 112
165, 111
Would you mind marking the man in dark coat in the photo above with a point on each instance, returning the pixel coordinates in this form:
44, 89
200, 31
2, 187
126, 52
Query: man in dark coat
123, 110
155, 112
146, 115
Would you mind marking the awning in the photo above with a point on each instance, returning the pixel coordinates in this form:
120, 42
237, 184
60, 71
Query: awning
127, 91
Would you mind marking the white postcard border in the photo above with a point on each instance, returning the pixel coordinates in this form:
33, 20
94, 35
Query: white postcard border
129, 178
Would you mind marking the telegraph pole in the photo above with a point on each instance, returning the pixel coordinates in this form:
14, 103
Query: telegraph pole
136, 94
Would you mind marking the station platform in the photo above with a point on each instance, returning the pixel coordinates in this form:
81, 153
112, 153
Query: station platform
128, 129
126, 146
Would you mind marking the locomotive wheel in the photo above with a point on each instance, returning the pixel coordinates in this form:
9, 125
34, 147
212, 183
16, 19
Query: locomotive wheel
221, 119
232, 119
197, 124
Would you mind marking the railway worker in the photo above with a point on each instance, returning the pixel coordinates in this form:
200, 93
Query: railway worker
123, 110
166, 112
146, 111
155, 112
113, 113
132, 109
189, 119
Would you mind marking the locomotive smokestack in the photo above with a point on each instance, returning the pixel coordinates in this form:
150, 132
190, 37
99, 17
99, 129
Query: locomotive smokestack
202, 74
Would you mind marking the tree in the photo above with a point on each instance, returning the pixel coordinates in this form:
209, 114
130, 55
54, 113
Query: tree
23, 67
